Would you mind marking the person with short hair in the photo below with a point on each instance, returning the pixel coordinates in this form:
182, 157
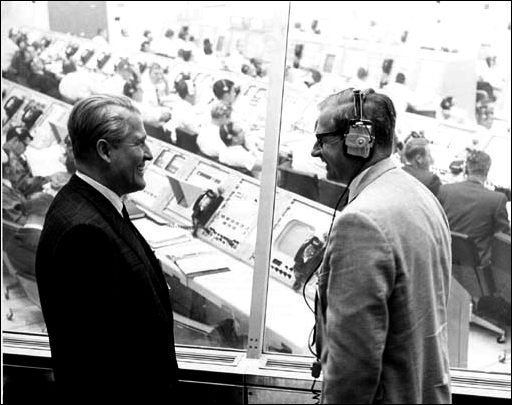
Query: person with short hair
184, 114
103, 293
474, 210
230, 150
418, 160
384, 282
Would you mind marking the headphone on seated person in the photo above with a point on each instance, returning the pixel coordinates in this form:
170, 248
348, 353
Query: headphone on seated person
359, 140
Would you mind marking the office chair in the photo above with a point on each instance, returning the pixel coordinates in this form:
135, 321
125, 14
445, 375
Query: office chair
157, 132
468, 271
500, 264
187, 140
302, 183
329, 192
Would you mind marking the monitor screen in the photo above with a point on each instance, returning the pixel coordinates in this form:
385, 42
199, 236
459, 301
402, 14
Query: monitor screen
293, 235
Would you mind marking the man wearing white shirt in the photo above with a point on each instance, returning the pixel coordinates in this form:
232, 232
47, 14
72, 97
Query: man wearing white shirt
183, 113
211, 144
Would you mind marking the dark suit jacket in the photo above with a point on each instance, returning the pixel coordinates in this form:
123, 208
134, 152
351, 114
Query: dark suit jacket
475, 211
429, 179
105, 302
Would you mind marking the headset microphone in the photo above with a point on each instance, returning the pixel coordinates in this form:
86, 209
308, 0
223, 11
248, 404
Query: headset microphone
358, 138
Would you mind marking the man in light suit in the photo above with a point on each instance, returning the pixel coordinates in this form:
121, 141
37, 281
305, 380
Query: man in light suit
474, 210
103, 294
384, 281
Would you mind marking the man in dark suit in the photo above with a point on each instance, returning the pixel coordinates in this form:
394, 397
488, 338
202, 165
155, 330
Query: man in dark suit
474, 210
418, 159
103, 294
21, 248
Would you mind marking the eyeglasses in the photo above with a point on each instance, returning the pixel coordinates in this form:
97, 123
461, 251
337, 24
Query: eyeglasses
320, 137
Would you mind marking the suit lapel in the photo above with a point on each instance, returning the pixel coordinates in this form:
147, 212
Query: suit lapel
122, 228
372, 174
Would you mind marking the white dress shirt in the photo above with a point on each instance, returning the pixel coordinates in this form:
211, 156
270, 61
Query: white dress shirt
116, 201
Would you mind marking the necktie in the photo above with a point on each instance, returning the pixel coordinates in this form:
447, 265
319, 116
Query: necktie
135, 231
126, 216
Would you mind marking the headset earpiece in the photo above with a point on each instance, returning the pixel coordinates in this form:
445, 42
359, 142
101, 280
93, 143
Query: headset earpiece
358, 138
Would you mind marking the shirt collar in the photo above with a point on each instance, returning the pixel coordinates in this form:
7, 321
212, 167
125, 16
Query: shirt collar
116, 201
368, 175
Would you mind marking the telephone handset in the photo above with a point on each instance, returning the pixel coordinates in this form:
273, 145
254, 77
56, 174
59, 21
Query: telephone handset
12, 105
204, 207
307, 260
30, 115
71, 50
102, 60
86, 55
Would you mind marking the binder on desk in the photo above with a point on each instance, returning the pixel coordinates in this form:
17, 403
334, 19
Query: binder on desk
160, 235
202, 264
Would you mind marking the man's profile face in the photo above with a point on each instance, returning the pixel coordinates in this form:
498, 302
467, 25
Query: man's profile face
129, 157
329, 148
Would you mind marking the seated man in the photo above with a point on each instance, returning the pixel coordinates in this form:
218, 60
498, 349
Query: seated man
230, 152
184, 114
474, 210
15, 168
418, 159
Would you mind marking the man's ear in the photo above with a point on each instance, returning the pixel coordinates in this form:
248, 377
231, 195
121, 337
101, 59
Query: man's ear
103, 148
420, 159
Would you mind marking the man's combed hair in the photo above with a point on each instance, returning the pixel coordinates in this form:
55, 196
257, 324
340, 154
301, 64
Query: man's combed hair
98, 117
477, 162
377, 108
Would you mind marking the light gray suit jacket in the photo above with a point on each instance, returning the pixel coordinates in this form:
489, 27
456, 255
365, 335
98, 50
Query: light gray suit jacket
383, 289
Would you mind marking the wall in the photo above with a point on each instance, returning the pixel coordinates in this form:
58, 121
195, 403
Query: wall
29, 13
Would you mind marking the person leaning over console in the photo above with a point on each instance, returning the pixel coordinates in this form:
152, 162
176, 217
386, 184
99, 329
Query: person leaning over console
103, 293
384, 281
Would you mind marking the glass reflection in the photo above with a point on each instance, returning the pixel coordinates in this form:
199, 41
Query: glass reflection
452, 90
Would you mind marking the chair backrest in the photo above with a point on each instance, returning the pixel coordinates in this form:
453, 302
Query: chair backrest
187, 140
464, 250
466, 266
28, 283
302, 183
500, 248
329, 192
9, 228
157, 132
500, 264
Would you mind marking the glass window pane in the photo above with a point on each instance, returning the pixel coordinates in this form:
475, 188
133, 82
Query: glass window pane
198, 74
456, 94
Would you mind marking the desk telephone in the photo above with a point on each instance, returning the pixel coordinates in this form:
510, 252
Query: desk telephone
204, 207
12, 105
307, 260
102, 60
31, 114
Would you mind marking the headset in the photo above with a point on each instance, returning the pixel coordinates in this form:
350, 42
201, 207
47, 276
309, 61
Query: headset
359, 139
225, 87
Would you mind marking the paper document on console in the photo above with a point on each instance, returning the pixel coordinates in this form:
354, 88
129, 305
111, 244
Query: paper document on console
161, 235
